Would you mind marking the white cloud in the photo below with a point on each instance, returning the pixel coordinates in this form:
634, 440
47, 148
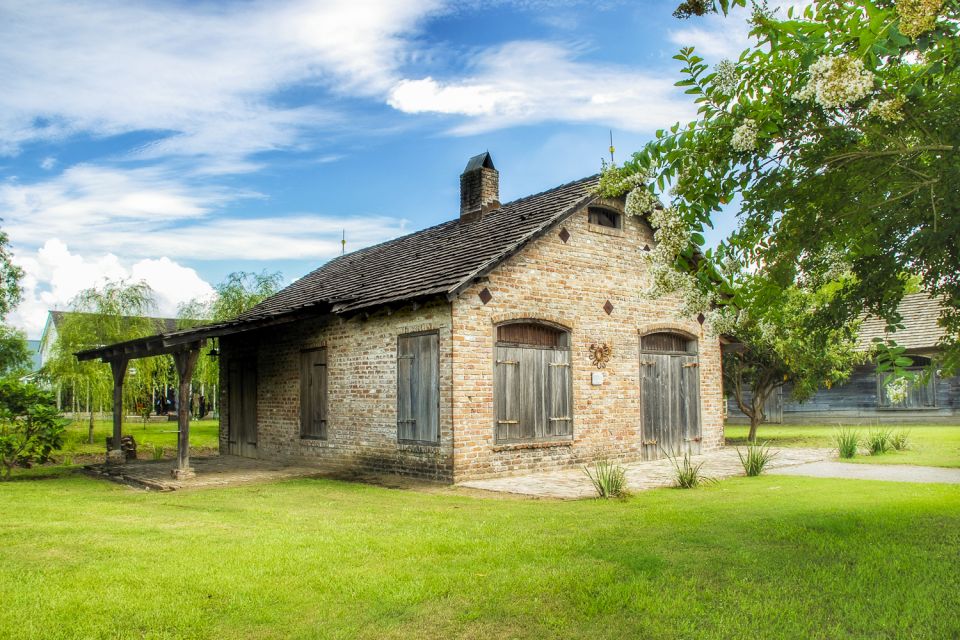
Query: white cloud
48, 163
531, 81
204, 77
149, 212
55, 275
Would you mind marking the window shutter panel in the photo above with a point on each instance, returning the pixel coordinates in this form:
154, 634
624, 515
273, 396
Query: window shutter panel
559, 418
406, 377
507, 393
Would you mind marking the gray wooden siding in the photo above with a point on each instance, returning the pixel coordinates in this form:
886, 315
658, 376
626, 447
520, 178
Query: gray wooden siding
857, 400
418, 388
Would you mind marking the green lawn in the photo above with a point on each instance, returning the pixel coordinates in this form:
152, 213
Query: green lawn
203, 434
933, 445
769, 557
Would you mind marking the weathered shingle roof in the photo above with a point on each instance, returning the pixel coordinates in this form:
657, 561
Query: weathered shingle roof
162, 325
439, 260
920, 313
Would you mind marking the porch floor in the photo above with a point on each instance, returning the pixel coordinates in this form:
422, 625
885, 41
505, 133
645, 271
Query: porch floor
573, 483
210, 471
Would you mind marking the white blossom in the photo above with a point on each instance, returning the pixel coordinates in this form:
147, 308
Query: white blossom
887, 110
726, 77
897, 390
640, 202
745, 136
918, 16
836, 81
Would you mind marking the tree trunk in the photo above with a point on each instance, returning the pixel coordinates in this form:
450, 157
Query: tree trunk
754, 423
90, 407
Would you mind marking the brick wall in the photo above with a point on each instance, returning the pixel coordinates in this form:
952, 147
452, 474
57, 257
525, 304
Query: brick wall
362, 392
568, 283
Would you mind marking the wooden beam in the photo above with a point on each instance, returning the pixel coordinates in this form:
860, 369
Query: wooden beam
118, 367
185, 360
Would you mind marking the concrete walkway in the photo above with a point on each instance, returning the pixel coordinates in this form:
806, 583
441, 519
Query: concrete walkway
890, 473
573, 483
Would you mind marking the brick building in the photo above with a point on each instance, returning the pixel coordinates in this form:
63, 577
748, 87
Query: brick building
515, 337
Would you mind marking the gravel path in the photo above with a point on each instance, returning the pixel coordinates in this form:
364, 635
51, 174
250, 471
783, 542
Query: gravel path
891, 473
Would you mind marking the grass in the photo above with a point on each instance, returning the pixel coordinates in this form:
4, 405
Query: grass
770, 557
931, 445
203, 435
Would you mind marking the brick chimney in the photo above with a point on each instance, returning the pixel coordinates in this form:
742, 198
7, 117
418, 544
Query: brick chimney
479, 188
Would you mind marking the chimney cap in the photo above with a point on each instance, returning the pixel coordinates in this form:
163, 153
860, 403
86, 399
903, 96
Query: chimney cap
482, 161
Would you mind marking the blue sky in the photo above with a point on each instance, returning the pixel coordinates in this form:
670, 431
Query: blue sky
177, 142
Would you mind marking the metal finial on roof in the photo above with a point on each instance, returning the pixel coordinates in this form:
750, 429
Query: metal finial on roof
343, 243
611, 146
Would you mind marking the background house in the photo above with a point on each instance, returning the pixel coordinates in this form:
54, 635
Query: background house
863, 398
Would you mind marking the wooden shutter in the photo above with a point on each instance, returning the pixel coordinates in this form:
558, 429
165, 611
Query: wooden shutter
533, 393
560, 391
688, 402
418, 388
313, 393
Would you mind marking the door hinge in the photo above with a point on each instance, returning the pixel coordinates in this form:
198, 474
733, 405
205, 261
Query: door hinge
691, 364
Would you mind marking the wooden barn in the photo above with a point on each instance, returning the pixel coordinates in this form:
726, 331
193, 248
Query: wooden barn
863, 398
512, 338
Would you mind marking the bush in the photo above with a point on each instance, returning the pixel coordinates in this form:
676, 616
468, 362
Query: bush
757, 458
688, 475
30, 425
848, 441
900, 439
879, 441
609, 480
157, 452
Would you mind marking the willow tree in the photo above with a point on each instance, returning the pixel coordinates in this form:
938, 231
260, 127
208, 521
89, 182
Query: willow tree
239, 292
115, 312
837, 130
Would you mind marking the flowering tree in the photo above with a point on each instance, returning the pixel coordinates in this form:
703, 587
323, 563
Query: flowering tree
838, 131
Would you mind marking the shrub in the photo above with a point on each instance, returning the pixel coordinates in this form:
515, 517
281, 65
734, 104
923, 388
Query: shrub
609, 480
30, 425
878, 441
900, 439
848, 441
757, 458
157, 452
688, 475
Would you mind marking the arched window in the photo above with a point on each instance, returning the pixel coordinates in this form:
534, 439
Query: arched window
668, 342
533, 384
603, 217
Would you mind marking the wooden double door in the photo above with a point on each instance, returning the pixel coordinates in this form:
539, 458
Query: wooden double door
242, 409
670, 403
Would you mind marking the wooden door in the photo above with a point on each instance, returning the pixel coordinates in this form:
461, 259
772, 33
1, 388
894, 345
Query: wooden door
418, 388
242, 416
670, 404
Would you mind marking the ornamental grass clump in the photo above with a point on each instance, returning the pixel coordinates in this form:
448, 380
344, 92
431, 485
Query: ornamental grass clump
157, 452
879, 441
848, 441
900, 439
758, 456
609, 480
688, 475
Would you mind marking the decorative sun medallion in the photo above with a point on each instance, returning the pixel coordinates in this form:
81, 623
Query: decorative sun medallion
600, 354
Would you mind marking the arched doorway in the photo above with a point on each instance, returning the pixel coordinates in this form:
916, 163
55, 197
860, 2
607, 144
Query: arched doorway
669, 394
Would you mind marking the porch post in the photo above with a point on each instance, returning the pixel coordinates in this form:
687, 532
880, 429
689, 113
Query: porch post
185, 360
119, 367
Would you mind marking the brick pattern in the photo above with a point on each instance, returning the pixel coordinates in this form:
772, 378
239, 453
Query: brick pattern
568, 283
362, 392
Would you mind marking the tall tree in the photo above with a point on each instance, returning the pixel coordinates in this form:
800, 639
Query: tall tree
115, 312
838, 131
239, 292
780, 342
